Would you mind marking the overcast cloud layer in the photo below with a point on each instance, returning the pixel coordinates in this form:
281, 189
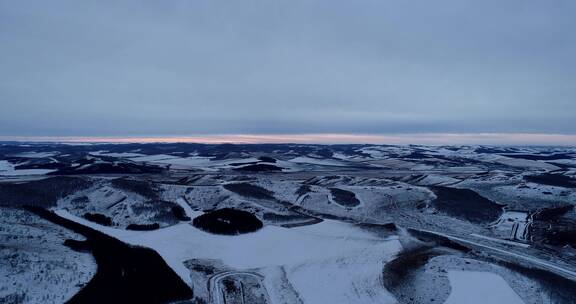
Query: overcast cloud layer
105, 68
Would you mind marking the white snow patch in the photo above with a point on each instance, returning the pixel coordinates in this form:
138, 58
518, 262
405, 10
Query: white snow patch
526, 163
334, 251
119, 155
36, 154
475, 287
5, 166
316, 161
150, 158
8, 169
374, 152
27, 172
189, 212
186, 162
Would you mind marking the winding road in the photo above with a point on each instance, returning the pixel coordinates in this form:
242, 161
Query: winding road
555, 268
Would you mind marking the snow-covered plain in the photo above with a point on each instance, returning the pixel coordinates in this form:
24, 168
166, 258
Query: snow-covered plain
36, 154
320, 260
316, 161
120, 155
8, 169
475, 287
327, 262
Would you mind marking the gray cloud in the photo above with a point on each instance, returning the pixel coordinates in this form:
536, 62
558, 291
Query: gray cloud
367, 66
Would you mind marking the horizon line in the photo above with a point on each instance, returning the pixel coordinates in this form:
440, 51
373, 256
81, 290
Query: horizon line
323, 138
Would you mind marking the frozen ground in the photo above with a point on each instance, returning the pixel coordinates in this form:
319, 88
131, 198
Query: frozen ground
335, 250
8, 169
33, 259
475, 287
320, 260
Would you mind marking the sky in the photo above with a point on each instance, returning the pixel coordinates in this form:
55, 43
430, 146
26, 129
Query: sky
272, 67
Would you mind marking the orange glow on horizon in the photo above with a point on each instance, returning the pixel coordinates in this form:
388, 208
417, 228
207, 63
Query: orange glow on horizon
393, 139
